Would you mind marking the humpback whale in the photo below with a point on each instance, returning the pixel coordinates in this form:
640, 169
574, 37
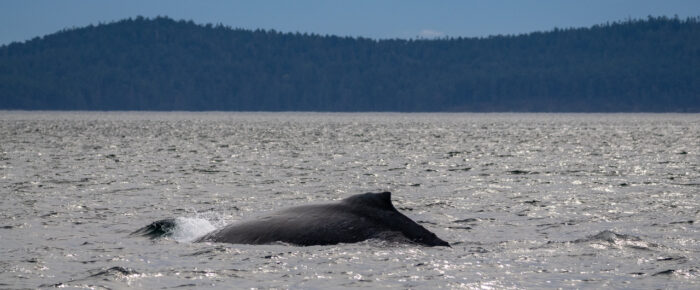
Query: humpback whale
350, 220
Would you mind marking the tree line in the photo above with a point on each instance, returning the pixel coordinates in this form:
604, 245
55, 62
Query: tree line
650, 65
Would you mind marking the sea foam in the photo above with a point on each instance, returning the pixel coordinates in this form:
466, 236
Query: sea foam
187, 229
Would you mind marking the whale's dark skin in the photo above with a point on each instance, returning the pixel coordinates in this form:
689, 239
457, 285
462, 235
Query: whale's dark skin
354, 219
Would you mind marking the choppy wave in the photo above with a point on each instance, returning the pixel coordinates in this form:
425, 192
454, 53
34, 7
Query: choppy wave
608, 238
527, 200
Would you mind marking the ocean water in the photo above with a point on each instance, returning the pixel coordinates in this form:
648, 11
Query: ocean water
526, 200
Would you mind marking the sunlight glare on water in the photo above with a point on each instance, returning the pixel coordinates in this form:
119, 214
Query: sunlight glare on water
526, 200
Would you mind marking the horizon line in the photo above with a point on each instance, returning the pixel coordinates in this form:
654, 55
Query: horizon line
627, 20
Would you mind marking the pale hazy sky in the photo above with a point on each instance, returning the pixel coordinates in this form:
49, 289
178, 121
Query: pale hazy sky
22, 19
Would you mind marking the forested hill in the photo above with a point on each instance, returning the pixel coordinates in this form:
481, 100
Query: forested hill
160, 64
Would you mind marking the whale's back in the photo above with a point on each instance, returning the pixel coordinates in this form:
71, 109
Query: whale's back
354, 219
322, 224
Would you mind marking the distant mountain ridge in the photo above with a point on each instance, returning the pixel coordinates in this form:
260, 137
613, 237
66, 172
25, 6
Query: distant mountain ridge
650, 65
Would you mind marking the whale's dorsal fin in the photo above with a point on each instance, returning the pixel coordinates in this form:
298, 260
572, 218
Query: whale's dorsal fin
380, 200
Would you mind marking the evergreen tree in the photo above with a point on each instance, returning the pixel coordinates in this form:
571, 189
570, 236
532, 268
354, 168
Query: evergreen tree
161, 64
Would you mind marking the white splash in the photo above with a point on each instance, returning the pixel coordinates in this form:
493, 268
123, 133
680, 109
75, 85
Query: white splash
187, 229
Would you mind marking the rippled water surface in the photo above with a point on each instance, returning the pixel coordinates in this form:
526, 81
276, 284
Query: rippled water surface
526, 200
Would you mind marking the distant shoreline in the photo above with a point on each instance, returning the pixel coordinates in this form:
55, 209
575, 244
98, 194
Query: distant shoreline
160, 64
